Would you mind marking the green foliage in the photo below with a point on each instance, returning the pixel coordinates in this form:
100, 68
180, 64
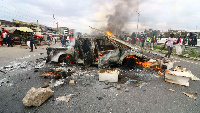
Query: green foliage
192, 53
160, 47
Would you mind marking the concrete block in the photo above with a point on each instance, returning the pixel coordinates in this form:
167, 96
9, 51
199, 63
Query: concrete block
118, 86
37, 96
110, 75
72, 82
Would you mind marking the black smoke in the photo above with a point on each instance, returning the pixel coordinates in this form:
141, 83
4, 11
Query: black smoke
121, 16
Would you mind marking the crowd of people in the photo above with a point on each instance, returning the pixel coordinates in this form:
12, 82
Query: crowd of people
7, 38
190, 40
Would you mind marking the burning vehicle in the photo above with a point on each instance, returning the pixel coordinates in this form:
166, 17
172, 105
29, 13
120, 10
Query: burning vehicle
102, 51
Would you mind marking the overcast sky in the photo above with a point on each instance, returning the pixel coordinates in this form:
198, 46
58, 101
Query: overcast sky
79, 14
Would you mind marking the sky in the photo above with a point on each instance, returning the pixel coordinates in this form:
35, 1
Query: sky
80, 14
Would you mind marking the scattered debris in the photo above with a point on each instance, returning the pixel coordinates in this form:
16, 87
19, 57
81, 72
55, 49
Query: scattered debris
37, 96
68, 98
110, 75
129, 81
126, 90
169, 64
72, 82
191, 95
160, 73
172, 90
99, 98
156, 76
108, 87
58, 69
178, 76
106, 82
64, 98
61, 98
57, 82
51, 75
140, 84
118, 86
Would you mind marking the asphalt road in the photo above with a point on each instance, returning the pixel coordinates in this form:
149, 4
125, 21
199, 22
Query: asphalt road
92, 96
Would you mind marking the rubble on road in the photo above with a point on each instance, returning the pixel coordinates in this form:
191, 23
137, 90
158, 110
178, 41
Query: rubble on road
126, 90
178, 76
72, 82
160, 73
118, 86
37, 96
171, 90
109, 75
64, 98
191, 95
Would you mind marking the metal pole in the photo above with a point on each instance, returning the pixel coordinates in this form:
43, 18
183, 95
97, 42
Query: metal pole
57, 27
137, 24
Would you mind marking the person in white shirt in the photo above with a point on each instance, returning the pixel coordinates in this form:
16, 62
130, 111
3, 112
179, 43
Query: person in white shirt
170, 41
4, 37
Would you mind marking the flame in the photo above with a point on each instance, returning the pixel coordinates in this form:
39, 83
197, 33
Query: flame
101, 54
130, 56
50, 74
96, 59
109, 33
63, 61
67, 56
144, 64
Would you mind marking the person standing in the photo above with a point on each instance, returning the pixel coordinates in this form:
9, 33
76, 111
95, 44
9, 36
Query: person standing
195, 38
54, 39
48, 40
9, 39
35, 41
125, 38
142, 39
31, 42
152, 41
184, 42
170, 41
178, 46
4, 37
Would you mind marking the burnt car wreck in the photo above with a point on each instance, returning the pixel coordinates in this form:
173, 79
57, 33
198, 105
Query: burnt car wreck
103, 51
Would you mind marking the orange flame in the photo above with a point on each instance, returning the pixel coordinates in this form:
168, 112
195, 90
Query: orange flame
109, 33
67, 56
50, 74
130, 56
144, 64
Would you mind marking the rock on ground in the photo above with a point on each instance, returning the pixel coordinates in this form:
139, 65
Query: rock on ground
36, 96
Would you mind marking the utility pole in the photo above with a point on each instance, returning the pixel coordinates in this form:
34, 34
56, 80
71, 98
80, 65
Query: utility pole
137, 24
53, 21
37, 26
57, 27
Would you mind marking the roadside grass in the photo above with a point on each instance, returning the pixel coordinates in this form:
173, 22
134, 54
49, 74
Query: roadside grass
185, 53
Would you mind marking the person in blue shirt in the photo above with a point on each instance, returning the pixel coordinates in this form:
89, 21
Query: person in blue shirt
9, 39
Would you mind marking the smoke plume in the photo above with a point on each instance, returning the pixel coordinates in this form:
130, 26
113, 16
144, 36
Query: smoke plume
121, 16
